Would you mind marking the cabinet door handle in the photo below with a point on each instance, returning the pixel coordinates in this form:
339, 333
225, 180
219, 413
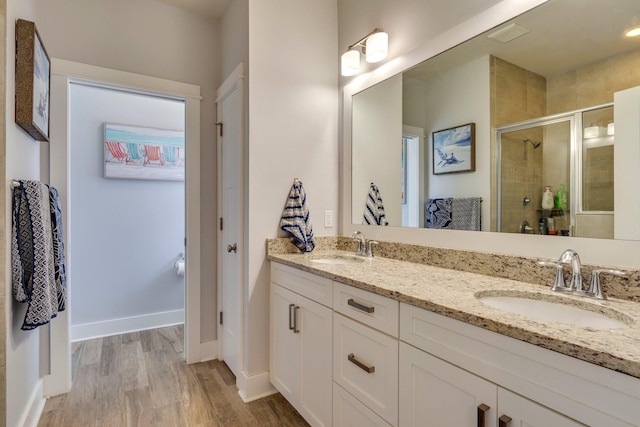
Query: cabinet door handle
291, 317
359, 364
504, 421
295, 319
482, 413
360, 307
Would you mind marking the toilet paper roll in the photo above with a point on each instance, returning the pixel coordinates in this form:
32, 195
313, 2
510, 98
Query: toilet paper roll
180, 268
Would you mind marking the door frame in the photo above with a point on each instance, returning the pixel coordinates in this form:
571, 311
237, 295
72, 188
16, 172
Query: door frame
235, 81
63, 73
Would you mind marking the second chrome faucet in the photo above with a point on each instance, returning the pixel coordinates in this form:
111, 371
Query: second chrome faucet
575, 286
363, 246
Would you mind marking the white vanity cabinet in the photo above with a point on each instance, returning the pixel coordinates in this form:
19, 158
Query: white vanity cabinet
450, 369
365, 356
301, 342
434, 392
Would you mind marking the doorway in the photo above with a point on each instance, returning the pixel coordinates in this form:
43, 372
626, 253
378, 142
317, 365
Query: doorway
126, 175
63, 74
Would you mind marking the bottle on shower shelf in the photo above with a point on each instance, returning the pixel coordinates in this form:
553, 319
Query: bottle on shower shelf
547, 198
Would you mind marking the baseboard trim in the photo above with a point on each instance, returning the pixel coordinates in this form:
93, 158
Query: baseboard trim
33, 410
124, 325
254, 387
208, 351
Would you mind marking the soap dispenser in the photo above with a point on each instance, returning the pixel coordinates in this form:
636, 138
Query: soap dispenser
547, 198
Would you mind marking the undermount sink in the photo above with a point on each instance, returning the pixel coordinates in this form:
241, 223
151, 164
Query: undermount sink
555, 310
337, 259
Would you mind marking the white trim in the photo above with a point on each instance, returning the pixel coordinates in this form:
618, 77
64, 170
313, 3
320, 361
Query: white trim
123, 325
63, 73
208, 351
35, 406
254, 387
121, 79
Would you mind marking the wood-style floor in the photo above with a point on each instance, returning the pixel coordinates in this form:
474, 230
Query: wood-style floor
141, 379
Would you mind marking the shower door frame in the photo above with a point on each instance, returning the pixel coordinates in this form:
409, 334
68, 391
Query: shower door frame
575, 125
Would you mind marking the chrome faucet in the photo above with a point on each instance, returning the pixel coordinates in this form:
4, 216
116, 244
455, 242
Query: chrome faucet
364, 246
358, 237
571, 257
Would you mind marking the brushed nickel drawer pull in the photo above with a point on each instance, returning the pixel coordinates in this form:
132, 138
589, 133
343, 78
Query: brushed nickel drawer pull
295, 319
359, 364
291, 318
360, 307
482, 413
504, 421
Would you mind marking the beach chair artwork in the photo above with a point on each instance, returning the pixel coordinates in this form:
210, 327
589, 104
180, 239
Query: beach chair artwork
136, 152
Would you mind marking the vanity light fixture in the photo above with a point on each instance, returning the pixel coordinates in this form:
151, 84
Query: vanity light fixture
633, 32
375, 47
594, 132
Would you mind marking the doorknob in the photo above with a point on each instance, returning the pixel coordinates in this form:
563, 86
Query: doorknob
232, 248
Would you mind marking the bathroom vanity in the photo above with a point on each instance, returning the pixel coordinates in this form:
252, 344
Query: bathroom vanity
377, 341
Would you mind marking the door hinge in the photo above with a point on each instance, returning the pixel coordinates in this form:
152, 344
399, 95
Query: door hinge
221, 221
185, 242
221, 127
221, 318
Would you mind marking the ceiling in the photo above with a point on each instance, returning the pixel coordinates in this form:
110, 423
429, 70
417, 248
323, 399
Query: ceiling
211, 8
564, 35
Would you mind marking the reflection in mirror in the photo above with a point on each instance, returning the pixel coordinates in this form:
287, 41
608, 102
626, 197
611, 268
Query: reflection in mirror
535, 82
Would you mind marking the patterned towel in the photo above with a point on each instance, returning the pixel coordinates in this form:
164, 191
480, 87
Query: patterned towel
374, 208
33, 262
59, 263
295, 219
438, 213
466, 213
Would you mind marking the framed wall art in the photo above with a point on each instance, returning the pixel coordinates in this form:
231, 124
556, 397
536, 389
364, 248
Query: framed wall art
137, 152
454, 149
33, 76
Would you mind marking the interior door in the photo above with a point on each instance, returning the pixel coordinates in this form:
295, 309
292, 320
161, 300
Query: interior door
230, 248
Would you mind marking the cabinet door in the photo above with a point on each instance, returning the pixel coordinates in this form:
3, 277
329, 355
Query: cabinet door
315, 325
285, 344
515, 410
436, 393
350, 412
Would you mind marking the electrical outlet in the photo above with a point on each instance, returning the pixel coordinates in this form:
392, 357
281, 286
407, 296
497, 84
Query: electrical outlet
328, 219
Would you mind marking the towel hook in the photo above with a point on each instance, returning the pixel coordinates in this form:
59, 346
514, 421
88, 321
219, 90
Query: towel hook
14, 183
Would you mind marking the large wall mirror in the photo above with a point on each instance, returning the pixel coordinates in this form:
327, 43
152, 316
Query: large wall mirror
527, 128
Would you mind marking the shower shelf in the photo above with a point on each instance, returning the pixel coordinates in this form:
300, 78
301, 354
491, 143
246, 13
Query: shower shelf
553, 212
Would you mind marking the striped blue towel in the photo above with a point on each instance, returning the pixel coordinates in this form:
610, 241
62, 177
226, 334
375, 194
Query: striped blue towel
466, 213
374, 208
295, 219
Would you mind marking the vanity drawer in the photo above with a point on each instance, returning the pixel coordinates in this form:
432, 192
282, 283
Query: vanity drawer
316, 288
365, 363
371, 309
349, 411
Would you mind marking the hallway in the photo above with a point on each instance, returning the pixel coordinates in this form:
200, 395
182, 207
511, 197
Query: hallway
141, 379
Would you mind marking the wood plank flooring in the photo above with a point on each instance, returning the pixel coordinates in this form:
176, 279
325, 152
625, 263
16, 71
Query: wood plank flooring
141, 379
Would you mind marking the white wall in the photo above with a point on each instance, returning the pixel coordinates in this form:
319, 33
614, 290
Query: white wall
456, 98
151, 38
127, 233
293, 107
22, 162
377, 148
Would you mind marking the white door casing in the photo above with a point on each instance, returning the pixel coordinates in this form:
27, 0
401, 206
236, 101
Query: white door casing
62, 74
230, 106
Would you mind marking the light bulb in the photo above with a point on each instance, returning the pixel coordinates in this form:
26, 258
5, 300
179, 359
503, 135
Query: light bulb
350, 63
377, 47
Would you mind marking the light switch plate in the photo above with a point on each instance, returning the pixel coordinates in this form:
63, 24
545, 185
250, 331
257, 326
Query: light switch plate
328, 219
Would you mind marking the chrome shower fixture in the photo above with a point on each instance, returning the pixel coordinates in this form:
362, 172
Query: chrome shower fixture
534, 143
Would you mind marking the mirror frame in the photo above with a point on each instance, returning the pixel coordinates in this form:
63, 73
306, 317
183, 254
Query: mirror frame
617, 253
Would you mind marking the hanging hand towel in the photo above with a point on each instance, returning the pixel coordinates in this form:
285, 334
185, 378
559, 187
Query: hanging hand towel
374, 208
32, 253
58, 248
466, 213
295, 219
438, 213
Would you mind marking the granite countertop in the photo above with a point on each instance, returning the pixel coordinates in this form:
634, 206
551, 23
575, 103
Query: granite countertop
454, 294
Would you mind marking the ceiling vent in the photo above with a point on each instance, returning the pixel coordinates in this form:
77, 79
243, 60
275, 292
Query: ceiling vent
508, 33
